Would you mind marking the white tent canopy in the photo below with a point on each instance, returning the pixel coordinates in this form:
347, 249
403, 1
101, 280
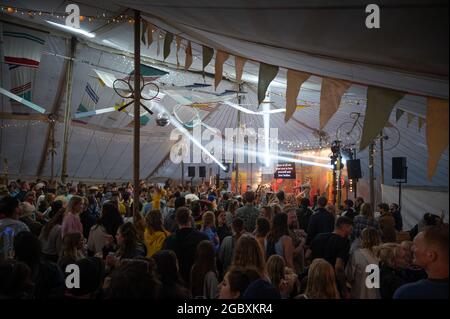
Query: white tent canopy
323, 38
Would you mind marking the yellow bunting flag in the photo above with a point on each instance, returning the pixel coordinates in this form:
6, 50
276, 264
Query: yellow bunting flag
150, 30
380, 103
118, 105
221, 57
436, 132
421, 122
239, 65
330, 98
410, 117
178, 43
167, 43
295, 80
266, 75
188, 60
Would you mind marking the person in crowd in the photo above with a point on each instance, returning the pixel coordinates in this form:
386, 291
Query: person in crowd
320, 222
364, 219
128, 245
155, 234
71, 222
92, 271
395, 211
173, 286
204, 282
86, 219
304, 213
390, 276
267, 213
248, 254
427, 220
261, 232
249, 213
349, 212
134, 279
281, 198
72, 249
276, 273
430, 251
15, 280
223, 230
387, 224
298, 237
47, 277
321, 282
228, 245
106, 227
236, 282
10, 225
334, 247
184, 242
231, 212
209, 228
356, 267
50, 237
276, 209
278, 240
359, 201
28, 213
24, 189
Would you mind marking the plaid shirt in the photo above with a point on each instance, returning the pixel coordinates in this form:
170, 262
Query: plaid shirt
360, 222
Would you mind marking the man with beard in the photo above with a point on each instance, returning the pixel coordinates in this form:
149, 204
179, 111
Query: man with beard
298, 239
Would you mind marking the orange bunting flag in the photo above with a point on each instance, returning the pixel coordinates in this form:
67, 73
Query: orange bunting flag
436, 132
188, 61
221, 57
239, 65
295, 80
330, 98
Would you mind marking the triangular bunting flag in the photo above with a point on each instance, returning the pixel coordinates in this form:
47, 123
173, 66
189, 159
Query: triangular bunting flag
410, 117
167, 43
330, 98
150, 30
208, 54
421, 122
266, 75
436, 132
143, 30
239, 65
188, 61
398, 114
380, 102
144, 120
178, 43
221, 57
295, 80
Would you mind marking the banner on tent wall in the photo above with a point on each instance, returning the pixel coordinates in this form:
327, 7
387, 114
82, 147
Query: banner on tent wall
380, 103
416, 202
22, 46
436, 132
21, 82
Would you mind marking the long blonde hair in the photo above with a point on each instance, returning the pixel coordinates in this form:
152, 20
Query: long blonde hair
367, 211
275, 269
387, 254
249, 254
74, 201
321, 281
370, 237
208, 219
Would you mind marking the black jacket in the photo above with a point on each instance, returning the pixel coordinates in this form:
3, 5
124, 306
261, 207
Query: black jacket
321, 221
184, 243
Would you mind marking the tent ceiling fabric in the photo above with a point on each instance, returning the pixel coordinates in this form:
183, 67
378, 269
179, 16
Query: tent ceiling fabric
273, 32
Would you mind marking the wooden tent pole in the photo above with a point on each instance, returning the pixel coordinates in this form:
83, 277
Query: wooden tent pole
137, 107
67, 113
372, 175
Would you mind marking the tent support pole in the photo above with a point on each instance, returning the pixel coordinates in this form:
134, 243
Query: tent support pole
137, 107
382, 156
236, 186
67, 112
371, 175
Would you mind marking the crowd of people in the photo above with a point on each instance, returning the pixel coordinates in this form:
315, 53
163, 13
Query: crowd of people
186, 241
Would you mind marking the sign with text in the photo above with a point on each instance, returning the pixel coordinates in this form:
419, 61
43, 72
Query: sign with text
285, 171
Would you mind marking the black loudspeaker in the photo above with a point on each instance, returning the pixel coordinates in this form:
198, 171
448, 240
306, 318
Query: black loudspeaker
399, 169
202, 171
354, 169
191, 171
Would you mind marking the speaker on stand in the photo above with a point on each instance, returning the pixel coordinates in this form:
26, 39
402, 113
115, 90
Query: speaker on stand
399, 173
191, 172
354, 173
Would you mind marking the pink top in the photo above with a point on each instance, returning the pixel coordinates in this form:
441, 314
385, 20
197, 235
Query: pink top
71, 224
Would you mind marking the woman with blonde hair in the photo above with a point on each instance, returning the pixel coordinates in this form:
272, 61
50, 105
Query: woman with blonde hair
356, 267
71, 222
276, 270
72, 249
364, 219
248, 254
389, 255
321, 281
209, 228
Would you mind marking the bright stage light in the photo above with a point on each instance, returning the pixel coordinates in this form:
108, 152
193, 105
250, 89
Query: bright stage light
71, 29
